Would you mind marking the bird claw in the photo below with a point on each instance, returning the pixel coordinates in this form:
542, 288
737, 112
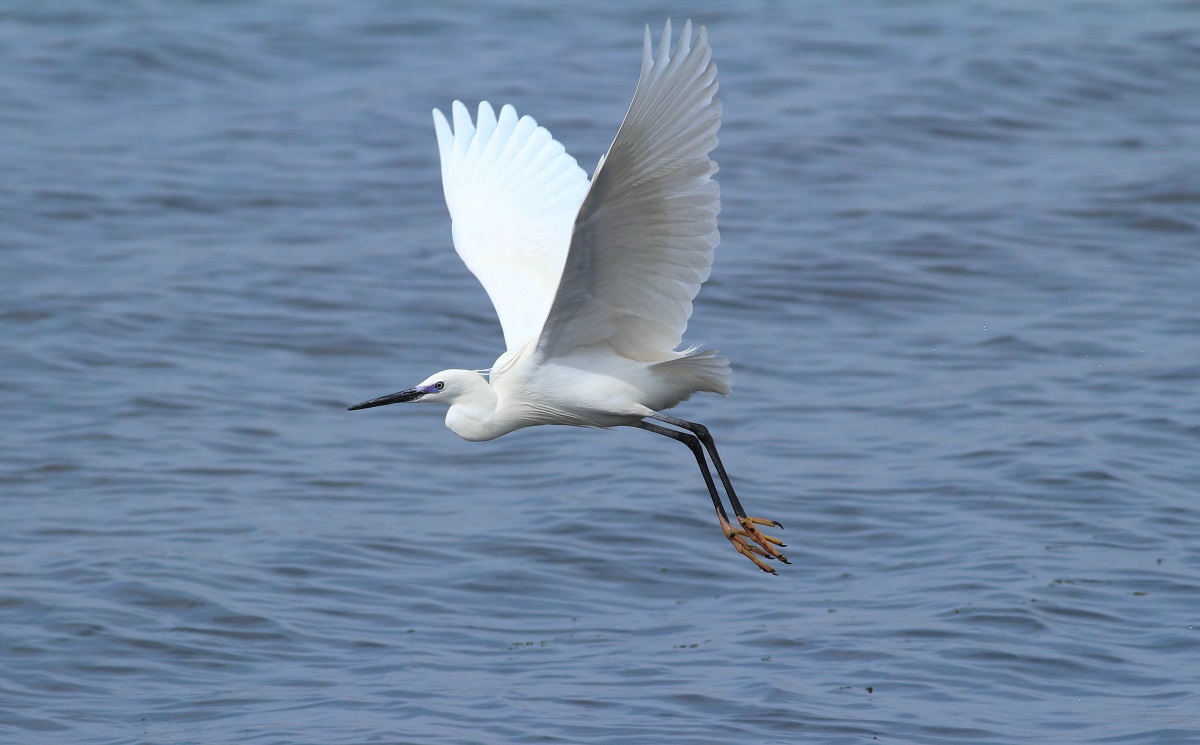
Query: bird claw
768, 542
761, 521
748, 524
754, 544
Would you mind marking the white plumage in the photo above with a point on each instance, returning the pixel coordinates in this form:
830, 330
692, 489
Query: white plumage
513, 193
593, 281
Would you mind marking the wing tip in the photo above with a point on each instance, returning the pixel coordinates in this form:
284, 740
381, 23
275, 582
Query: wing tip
689, 43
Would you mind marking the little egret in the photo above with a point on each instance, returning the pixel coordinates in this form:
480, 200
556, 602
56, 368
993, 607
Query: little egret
593, 281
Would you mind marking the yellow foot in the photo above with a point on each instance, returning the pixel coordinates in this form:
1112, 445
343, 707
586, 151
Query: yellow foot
768, 542
752, 543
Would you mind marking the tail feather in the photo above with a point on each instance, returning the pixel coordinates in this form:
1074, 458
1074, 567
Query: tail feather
700, 371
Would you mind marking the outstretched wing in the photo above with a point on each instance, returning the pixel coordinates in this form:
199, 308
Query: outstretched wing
644, 238
513, 193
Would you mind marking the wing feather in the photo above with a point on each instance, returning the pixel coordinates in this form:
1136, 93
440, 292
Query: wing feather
513, 194
644, 237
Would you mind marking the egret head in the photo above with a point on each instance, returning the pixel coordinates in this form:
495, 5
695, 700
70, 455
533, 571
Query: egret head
447, 387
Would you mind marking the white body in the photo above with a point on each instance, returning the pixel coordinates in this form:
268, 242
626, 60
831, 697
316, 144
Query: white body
591, 388
593, 281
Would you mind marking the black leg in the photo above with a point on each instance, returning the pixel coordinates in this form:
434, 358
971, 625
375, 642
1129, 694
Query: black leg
711, 445
748, 523
693, 444
748, 541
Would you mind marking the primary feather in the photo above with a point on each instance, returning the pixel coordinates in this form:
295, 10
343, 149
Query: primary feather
616, 261
513, 193
644, 237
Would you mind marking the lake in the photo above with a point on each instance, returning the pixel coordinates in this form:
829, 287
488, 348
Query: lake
959, 281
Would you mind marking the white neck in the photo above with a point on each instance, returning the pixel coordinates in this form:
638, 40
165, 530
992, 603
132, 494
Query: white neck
472, 413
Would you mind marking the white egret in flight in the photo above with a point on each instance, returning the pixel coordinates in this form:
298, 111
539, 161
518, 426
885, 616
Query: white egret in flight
593, 281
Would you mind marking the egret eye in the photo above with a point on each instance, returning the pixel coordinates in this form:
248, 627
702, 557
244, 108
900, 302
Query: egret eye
439, 385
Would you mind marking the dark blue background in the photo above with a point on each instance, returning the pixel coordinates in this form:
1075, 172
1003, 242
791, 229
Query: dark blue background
959, 281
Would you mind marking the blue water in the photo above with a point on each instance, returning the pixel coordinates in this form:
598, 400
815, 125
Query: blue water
959, 281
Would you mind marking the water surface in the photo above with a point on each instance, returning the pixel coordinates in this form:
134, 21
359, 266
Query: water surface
958, 280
